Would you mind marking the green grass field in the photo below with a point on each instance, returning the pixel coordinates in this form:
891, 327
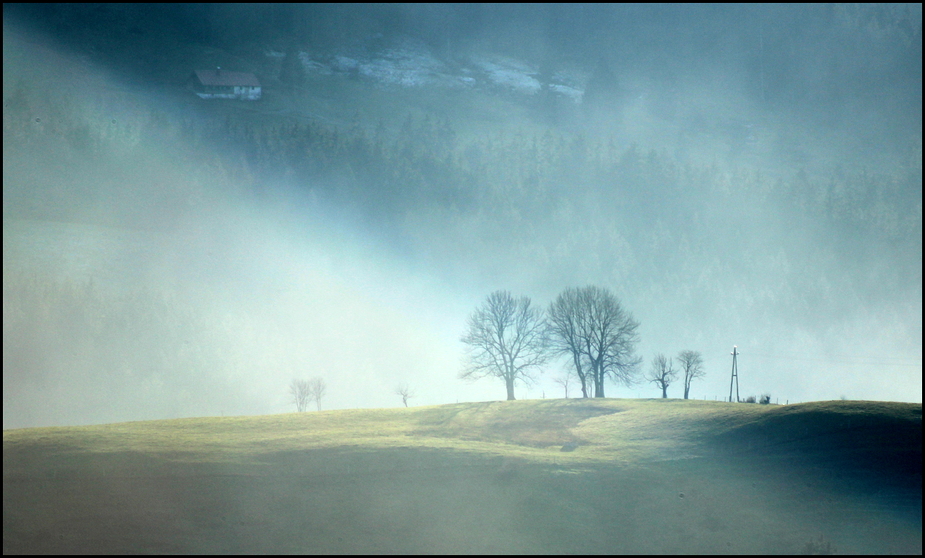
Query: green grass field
551, 476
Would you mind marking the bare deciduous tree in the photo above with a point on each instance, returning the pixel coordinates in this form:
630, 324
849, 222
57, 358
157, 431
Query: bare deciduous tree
612, 341
566, 326
692, 366
301, 394
405, 392
565, 379
505, 339
662, 373
591, 326
317, 387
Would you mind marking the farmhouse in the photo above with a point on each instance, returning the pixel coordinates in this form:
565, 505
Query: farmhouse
222, 84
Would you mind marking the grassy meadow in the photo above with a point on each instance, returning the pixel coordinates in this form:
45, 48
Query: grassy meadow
550, 476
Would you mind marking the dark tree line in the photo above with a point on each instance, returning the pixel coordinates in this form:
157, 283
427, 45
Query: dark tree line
424, 163
860, 46
643, 202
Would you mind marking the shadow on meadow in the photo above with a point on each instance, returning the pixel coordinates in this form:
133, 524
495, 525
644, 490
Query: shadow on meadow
506, 495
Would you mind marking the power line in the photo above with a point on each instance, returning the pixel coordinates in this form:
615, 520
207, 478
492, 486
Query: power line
846, 359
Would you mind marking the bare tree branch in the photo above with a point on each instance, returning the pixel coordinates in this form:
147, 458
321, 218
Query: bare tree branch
591, 326
317, 387
405, 392
301, 394
566, 326
506, 339
662, 373
565, 379
692, 366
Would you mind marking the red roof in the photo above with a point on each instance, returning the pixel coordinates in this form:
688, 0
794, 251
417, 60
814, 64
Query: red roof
226, 78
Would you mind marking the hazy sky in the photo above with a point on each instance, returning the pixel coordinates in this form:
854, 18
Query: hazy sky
214, 283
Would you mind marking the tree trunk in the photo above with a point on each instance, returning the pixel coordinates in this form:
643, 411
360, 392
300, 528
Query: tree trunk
598, 384
582, 377
664, 392
510, 388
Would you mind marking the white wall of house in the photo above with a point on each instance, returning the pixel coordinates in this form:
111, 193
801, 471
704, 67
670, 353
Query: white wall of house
247, 93
237, 92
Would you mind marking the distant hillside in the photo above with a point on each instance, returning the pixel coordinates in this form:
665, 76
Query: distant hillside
476, 160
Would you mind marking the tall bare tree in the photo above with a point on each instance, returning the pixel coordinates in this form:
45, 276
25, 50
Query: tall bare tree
317, 387
692, 366
565, 379
662, 373
566, 322
301, 394
405, 392
505, 339
611, 340
591, 326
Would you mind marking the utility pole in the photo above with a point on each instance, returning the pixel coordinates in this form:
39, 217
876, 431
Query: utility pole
764, 99
735, 374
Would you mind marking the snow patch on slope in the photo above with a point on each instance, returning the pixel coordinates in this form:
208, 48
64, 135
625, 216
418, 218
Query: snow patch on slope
410, 63
510, 74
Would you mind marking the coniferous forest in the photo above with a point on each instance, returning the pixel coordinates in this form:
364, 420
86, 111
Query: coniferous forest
794, 222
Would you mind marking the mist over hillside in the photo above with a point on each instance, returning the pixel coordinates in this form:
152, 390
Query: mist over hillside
744, 175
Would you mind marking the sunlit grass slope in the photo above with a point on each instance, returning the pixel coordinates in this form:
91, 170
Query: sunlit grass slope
602, 429
609, 430
550, 476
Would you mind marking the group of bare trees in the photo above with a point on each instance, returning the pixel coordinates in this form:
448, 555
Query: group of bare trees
663, 373
303, 392
591, 327
510, 339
